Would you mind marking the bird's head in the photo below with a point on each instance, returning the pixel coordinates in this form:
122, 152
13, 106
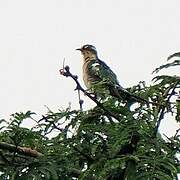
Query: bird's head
88, 51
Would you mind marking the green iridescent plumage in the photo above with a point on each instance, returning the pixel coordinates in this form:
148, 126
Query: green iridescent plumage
103, 81
99, 71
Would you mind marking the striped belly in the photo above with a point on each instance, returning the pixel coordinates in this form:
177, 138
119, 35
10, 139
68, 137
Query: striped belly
86, 75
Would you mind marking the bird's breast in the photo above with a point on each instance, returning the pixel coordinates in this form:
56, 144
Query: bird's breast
86, 74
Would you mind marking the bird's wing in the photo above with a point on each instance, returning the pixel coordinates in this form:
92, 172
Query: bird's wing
101, 70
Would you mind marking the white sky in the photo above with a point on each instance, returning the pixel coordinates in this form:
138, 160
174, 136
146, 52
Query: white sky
133, 37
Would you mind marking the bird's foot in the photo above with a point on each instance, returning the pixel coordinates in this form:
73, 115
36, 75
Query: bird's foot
90, 94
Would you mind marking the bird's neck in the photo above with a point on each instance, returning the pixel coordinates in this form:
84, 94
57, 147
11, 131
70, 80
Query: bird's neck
89, 57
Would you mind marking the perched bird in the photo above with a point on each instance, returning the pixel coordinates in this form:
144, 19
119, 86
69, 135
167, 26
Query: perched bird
97, 73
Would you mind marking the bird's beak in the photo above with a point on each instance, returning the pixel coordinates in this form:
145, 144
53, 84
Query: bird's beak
79, 49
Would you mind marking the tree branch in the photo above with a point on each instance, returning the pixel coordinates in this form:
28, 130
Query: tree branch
20, 150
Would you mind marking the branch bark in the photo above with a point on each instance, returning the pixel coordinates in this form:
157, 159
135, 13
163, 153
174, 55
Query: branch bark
20, 150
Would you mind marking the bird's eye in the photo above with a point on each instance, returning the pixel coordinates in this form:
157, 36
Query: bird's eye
83, 52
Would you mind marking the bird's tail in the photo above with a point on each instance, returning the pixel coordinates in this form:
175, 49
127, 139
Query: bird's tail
122, 94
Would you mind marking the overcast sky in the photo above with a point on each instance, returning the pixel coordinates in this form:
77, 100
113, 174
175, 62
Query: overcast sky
133, 37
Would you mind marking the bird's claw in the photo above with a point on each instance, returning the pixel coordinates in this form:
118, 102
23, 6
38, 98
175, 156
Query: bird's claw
90, 94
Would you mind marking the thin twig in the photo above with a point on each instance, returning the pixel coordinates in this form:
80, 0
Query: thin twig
177, 131
51, 122
80, 100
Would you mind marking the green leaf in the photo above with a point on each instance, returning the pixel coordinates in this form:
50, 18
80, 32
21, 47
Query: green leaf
174, 63
174, 55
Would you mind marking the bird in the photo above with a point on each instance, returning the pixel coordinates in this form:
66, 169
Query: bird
100, 79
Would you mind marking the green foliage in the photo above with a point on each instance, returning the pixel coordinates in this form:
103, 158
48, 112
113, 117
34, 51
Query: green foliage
174, 63
93, 145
